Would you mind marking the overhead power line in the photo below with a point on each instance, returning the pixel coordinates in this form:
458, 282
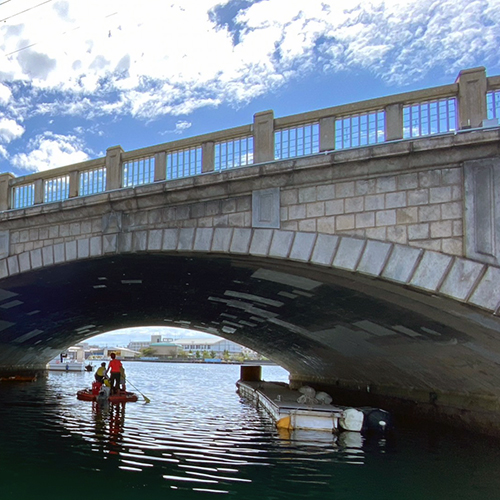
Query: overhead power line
60, 34
23, 11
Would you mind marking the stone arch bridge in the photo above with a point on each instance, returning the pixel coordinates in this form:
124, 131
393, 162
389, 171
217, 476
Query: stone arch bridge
371, 271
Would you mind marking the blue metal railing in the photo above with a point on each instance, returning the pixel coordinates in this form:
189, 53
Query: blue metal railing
184, 163
56, 189
360, 130
296, 141
493, 104
23, 196
92, 182
233, 154
428, 118
138, 172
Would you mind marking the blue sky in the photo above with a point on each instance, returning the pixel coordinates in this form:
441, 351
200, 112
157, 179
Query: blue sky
77, 77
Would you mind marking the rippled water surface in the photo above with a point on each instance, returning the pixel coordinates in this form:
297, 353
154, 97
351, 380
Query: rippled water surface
198, 438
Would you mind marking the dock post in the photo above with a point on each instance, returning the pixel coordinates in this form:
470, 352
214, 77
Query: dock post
252, 373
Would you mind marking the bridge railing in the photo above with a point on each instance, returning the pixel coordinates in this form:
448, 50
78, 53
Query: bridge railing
472, 101
493, 104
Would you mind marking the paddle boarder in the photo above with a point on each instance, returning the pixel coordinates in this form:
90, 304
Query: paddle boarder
114, 367
100, 373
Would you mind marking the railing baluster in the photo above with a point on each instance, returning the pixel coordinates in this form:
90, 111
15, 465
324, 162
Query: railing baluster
232, 154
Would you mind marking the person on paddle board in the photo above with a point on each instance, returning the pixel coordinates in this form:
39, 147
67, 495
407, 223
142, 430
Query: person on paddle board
122, 379
100, 373
114, 368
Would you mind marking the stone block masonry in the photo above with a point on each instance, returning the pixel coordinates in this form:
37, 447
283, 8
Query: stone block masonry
420, 209
412, 194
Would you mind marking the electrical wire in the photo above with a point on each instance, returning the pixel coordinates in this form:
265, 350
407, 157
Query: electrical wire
61, 34
23, 11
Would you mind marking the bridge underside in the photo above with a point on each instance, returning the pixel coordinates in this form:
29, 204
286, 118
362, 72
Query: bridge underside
363, 340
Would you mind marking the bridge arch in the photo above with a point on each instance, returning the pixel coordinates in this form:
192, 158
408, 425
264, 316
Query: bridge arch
357, 317
457, 278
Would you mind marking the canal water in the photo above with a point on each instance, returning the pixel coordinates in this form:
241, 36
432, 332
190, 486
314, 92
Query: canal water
197, 438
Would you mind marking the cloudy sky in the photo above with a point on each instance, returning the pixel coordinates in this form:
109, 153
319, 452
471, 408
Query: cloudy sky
121, 338
77, 77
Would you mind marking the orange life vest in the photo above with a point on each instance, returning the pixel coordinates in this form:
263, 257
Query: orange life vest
115, 365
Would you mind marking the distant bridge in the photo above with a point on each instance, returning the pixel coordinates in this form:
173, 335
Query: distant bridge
358, 246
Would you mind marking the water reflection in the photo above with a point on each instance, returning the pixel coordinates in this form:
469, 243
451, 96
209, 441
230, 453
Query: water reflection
198, 437
109, 423
299, 437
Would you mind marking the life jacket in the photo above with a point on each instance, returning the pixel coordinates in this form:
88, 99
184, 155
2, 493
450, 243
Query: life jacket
115, 365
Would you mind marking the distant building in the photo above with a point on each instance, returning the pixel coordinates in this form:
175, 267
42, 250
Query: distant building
166, 349
144, 344
94, 352
137, 346
121, 352
215, 344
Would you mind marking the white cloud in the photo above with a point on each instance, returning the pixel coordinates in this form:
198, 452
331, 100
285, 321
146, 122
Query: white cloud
49, 151
181, 126
5, 94
178, 56
398, 41
10, 130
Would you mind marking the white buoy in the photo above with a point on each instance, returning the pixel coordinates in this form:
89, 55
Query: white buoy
351, 420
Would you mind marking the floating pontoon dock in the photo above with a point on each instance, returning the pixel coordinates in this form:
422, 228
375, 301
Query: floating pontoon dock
281, 404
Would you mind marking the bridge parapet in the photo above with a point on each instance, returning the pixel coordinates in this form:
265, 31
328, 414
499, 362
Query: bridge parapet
472, 101
437, 193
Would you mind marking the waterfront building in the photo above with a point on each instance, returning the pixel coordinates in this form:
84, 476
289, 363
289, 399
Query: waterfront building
139, 345
192, 347
121, 352
215, 345
166, 349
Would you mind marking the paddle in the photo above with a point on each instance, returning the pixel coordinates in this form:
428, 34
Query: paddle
145, 397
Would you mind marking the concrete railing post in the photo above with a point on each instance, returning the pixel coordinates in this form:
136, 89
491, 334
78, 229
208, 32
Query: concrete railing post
327, 134
208, 156
472, 86
5, 191
114, 168
73, 183
263, 137
160, 166
394, 122
39, 192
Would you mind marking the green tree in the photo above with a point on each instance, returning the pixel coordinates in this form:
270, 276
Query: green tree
148, 351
